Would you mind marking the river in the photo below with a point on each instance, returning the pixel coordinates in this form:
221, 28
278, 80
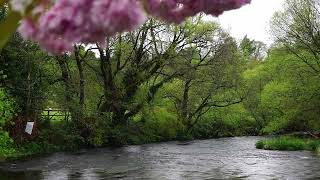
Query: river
226, 158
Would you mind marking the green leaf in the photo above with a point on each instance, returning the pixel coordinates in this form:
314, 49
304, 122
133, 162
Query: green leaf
3, 2
8, 27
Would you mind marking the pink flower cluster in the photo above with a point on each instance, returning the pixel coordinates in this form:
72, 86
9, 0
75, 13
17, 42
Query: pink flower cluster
59, 25
177, 10
72, 21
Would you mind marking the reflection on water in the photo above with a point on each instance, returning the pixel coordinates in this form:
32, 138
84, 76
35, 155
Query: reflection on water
206, 159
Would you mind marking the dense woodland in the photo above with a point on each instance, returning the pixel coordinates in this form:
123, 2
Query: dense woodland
164, 82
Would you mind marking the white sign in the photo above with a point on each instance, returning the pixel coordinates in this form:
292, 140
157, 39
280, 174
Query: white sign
29, 127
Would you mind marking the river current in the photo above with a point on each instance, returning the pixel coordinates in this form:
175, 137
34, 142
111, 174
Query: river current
225, 158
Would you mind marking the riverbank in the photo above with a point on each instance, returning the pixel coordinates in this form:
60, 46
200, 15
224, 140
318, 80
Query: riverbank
10, 151
25, 152
61, 137
283, 143
287, 143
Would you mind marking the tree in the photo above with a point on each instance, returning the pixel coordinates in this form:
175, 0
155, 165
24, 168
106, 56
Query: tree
24, 76
283, 95
252, 50
298, 29
208, 74
133, 59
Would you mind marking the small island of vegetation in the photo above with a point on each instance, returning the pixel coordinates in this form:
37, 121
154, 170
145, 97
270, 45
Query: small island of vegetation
290, 143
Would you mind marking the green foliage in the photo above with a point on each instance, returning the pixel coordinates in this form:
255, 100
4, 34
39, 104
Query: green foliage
10, 151
2, 3
288, 144
8, 27
94, 130
59, 137
6, 108
21, 64
318, 151
230, 121
153, 124
252, 50
161, 123
283, 95
7, 146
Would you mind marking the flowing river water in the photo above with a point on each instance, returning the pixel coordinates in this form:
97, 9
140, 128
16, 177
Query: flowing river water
226, 158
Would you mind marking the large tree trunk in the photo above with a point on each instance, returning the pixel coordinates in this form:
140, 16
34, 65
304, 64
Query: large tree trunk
65, 77
81, 81
68, 94
113, 101
184, 103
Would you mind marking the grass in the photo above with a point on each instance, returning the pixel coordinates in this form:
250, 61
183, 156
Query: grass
23, 152
318, 151
56, 138
289, 144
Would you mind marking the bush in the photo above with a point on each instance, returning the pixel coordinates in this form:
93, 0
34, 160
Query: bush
153, 124
225, 122
6, 108
7, 147
59, 136
93, 130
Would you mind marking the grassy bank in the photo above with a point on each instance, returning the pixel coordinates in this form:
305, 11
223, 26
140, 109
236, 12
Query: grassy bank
49, 140
289, 144
10, 151
20, 153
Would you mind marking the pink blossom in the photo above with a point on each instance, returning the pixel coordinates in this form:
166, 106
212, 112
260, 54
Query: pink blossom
177, 10
67, 22
117, 16
73, 21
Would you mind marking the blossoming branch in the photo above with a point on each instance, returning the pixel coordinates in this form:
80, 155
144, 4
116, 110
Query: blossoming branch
58, 24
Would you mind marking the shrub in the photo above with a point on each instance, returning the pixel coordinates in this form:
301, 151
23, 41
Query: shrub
7, 147
6, 112
93, 130
6, 108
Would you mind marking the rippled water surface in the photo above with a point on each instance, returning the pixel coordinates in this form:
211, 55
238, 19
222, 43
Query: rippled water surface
225, 158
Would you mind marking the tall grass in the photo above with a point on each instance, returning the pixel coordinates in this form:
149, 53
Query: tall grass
289, 144
318, 151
